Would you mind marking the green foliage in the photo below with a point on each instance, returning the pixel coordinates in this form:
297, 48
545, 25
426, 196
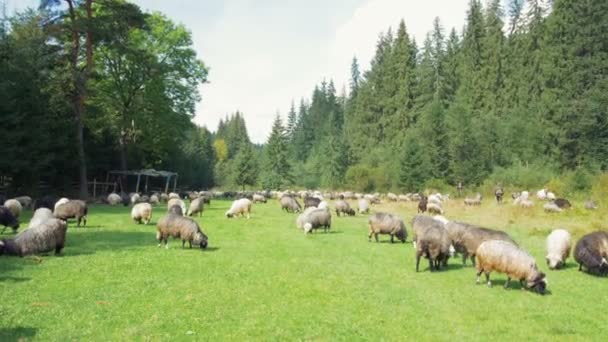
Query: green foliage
415, 167
523, 176
276, 169
244, 167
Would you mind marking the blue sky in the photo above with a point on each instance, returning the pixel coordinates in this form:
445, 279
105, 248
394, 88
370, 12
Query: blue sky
263, 54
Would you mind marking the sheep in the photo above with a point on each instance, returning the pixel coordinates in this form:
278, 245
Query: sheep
241, 206
192, 195
196, 207
40, 215
499, 193
178, 202
590, 205
311, 202
562, 203
466, 238
180, 227
47, 201
173, 195
290, 204
541, 194
7, 219
14, 206
61, 201
343, 207
314, 218
505, 257
176, 210
392, 197
257, 198
419, 224
114, 199
43, 238
135, 198
551, 196
422, 205
473, 201
323, 205
363, 206
434, 209
25, 201
558, 248
591, 252
141, 212
164, 198
383, 223
404, 198
435, 198
348, 195
525, 203
154, 199
144, 199
72, 209
551, 207
433, 243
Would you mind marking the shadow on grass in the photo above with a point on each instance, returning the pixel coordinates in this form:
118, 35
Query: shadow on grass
14, 280
17, 334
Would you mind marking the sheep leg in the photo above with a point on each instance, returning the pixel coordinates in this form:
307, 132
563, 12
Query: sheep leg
58, 249
418, 255
479, 275
85, 221
473, 259
376, 236
183, 243
190, 244
465, 255
392, 238
507, 283
431, 264
488, 279
369, 237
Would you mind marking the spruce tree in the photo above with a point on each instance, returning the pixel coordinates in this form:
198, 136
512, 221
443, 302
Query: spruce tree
277, 169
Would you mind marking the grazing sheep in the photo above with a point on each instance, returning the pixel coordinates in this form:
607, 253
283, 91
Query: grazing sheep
257, 198
154, 199
435, 198
404, 198
591, 252
311, 202
382, 223
515, 195
343, 207
40, 215
135, 198
72, 209
14, 206
61, 201
323, 205
241, 206
114, 199
432, 242
434, 209
473, 201
144, 199
7, 219
347, 195
499, 193
562, 203
551, 196
551, 207
505, 257
419, 224
392, 197
526, 203
314, 218
416, 197
173, 195
466, 238
422, 205
25, 201
176, 201
176, 210
142, 212
541, 194
193, 195
363, 206
290, 204
164, 198
180, 227
196, 207
43, 238
558, 248
590, 205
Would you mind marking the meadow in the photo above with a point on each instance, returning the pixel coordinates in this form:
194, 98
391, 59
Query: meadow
262, 279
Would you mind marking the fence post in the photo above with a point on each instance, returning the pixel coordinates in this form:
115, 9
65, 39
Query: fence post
94, 188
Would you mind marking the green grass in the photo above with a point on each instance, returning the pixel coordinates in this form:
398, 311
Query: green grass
262, 279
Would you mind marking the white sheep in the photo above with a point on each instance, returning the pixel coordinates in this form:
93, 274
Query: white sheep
114, 199
241, 206
61, 201
14, 207
434, 209
551, 207
142, 212
558, 248
178, 202
323, 205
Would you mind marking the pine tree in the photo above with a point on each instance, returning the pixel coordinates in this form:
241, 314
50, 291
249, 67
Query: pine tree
277, 169
414, 167
292, 122
244, 167
355, 77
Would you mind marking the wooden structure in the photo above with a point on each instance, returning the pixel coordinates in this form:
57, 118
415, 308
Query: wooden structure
147, 173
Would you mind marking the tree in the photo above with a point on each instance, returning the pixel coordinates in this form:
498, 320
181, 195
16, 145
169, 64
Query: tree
414, 167
244, 167
355, 77
292, 122
277, 169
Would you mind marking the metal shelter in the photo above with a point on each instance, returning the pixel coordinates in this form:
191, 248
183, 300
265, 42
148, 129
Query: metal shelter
147, 173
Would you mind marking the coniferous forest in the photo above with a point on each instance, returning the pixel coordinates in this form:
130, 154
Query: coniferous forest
518, 95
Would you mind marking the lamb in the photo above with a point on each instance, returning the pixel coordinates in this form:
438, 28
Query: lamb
72, 209
466, 238
363, 206
382, 223
196, 207
142, 212
434, 209
558, 248
7, 219
178, 202
562, 203
176, 210
473, 201
40, 215
290, 204
551, 207
43, 238
311, 202
499, 193
591, 252
241, 206
61, 201
432, 242
180, 227
14, 206
114, 199
505, 257
314, 218
257, 198
422, 205
343, 207
25, 201
590, 205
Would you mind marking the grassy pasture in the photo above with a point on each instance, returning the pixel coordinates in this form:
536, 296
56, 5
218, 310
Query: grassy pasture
262, 279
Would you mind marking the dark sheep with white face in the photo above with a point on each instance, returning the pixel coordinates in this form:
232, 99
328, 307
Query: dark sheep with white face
591, 253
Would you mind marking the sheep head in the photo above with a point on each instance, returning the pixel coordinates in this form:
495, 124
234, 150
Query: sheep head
538, 283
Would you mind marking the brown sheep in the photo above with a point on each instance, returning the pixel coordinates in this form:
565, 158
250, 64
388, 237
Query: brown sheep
180, 227
43, 238
196, 207
142, 212
466, 238
382, 223
344, 208
72, 209
434, 244
591, 252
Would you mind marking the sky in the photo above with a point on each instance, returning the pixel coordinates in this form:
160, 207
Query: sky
264, 54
